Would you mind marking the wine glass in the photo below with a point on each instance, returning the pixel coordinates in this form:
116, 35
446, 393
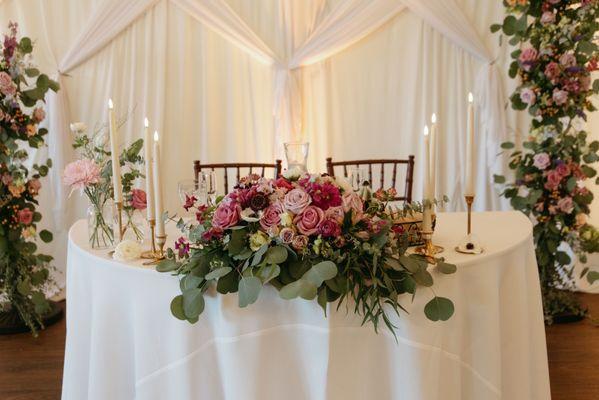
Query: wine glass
207, 186
188, 188
358, 178
297, 155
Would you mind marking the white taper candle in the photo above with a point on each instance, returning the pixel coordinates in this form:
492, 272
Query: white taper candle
427, 223
114, 149
470, 149
158, 188
148, 142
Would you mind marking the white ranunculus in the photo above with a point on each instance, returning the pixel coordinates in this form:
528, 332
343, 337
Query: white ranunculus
127, 250
248, 215
78, 127
293, 173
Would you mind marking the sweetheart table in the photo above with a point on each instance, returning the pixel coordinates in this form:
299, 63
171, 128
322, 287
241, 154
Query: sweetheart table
123, 342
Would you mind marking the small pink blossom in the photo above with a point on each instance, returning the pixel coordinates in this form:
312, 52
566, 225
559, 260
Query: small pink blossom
7, 86
567, 60
553, 71
353, 202
335, 213
560, 97
299, 242
553, 180
81, 174
25, 216
548, 17
528, 58
566, 205
309, 220
528, 96
542, 161
39, 114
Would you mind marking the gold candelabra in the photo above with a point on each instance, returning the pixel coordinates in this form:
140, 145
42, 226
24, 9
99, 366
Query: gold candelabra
428, 249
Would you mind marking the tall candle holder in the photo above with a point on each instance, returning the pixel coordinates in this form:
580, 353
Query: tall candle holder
428, 249
151, 254
119, 216
469, 244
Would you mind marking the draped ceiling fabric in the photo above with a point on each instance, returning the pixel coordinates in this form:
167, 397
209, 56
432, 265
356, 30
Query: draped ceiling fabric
271, 85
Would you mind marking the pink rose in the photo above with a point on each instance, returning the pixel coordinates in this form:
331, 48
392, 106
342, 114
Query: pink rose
552, 71
352, 201
299, 242
548, 17
309, 220
329, 228
39, 114
553, 180
271, 216
226, 215
25, 216
335, 213
296, 201
542, 161
287, 235
81, 173
563, 170
7, 86
566, 205
34, 186
567, 60
528, 57
138, 199
528, 96
560, 97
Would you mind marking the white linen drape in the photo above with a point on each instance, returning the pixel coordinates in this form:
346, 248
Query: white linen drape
299, 68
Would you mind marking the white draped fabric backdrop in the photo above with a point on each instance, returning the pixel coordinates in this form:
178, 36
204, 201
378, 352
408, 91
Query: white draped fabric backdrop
231, 80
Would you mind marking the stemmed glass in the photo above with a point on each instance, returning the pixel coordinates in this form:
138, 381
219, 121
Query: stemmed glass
207, 186
358, 177
188, 188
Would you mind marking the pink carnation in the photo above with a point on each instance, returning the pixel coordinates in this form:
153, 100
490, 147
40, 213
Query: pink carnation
299, 242
226, 215
309, 220
81, 173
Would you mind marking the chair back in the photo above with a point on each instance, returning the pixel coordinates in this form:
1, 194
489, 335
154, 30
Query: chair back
376, 168
240, 169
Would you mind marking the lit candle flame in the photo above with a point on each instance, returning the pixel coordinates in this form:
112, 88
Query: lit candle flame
425, 130
146, 122
155, 136
434, 118
110, 105
470, 97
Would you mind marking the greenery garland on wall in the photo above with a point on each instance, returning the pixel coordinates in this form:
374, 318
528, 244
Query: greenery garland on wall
555, 58
24, 273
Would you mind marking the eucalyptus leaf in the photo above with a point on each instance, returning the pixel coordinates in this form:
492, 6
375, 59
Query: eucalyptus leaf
167, 265
592, 277
276, 255
439, 309
193, 302
249, 290
446, 268
268, 272
217, 273
300, 288
46, 236
423, 278
321, 272
177, 308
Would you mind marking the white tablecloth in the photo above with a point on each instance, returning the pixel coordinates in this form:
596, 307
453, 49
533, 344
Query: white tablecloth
123, 343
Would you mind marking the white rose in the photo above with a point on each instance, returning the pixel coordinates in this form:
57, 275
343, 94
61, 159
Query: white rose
248, 215
78, 127
127, 250
293, 173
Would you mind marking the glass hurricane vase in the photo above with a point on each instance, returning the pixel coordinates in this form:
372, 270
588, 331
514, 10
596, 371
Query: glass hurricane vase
100, 224
133, 225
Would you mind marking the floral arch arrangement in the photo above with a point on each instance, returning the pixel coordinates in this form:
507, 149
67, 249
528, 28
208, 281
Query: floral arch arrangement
554, 61
24, 273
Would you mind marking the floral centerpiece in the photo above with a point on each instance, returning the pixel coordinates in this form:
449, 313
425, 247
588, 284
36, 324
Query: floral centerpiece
24, 273
554, 62
92, 175
310, 237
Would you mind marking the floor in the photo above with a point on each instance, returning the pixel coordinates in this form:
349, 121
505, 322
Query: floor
32, 368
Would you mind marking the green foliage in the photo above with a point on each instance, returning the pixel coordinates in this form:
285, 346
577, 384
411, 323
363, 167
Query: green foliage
553, 61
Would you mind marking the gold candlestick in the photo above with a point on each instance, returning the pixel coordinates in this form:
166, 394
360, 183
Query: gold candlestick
119, 216
428, 249
151, 254
161, 241
469, 245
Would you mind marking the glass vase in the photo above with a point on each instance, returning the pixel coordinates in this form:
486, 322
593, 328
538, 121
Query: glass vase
134, 223
296, 154
100, 225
